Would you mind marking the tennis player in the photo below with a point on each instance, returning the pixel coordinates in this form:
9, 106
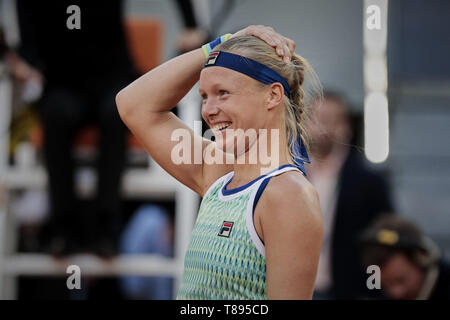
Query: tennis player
257, 235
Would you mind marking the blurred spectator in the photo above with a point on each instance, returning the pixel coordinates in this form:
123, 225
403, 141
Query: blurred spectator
193, 36
82, 70
351, 195
148, 232
411, 263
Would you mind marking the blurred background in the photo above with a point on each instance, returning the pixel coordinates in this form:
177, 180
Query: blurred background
391, 64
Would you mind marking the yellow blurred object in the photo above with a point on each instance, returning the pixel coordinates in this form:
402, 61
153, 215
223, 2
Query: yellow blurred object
23, 126
387, 237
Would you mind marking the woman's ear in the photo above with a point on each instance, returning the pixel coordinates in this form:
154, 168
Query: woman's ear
275, 95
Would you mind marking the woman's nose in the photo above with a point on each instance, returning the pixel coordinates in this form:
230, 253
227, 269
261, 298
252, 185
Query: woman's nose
210, 108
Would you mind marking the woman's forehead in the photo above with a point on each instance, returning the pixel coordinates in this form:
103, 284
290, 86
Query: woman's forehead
213, 76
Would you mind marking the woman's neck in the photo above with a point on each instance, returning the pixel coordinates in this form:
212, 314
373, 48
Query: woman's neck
269, 153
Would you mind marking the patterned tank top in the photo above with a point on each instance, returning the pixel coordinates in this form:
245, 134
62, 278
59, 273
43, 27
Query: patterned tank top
226, 258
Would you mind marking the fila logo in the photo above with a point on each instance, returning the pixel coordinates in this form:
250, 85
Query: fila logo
212, 58
226, 229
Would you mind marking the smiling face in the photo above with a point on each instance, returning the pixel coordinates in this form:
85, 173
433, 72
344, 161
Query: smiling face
231, 101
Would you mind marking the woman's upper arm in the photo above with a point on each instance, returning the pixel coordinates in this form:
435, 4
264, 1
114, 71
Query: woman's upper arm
167, 139
292, 229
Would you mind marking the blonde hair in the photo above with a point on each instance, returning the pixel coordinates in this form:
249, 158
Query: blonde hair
303, 93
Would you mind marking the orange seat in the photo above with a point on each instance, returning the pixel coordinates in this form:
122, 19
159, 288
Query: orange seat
144, 36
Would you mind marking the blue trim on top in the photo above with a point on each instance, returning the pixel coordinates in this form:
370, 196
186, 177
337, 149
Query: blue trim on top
261, 188
259, 192
257, 196
226, 192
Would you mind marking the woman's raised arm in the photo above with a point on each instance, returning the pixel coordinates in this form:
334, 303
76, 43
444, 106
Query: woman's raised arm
145, 106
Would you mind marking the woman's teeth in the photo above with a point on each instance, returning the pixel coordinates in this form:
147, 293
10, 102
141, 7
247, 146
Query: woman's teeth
221, 126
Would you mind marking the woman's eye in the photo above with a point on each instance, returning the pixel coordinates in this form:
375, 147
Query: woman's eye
204, 98
223, 92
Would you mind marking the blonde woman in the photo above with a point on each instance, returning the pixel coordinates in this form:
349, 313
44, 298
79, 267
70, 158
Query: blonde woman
257, 236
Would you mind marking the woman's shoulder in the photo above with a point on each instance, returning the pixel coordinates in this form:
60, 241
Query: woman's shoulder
289, 211
291, 192
291, 183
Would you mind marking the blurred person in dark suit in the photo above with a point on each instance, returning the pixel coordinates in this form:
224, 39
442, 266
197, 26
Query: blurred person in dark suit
411, 264
351, 195
83, 68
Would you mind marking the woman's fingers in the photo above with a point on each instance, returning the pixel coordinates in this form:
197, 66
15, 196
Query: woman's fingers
287, 54
267, 37
291, 44
283, 46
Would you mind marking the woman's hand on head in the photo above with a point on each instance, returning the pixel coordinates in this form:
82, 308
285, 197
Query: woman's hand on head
284, 47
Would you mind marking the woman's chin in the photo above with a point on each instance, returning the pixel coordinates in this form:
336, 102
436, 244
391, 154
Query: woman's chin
226, 147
